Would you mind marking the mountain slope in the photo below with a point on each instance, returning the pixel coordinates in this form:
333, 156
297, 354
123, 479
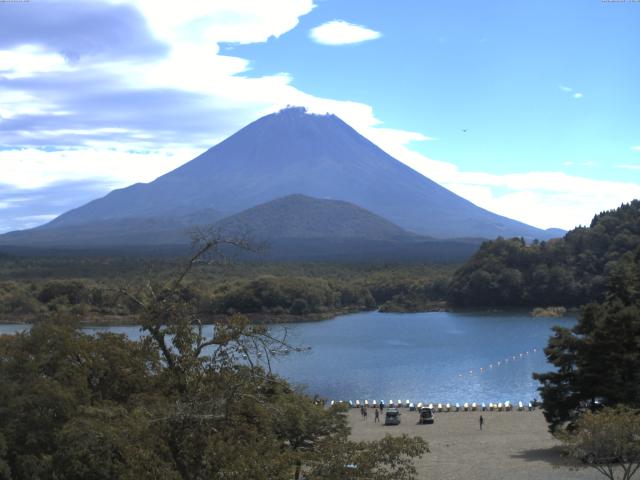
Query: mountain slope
295, 227
293, 152
300, 216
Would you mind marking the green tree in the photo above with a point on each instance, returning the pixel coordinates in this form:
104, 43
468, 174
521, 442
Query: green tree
219, 402
570, 271
608, 441
598, 360
388, 458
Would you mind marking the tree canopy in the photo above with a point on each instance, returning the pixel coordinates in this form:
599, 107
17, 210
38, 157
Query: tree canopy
570, 271
608, 441
598, 360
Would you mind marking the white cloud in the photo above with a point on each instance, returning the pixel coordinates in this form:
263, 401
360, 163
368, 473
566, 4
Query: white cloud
14, 103
339, 32
234, 21
542, 199
636, 148
29, 60
32, 168
576, 95
627, 166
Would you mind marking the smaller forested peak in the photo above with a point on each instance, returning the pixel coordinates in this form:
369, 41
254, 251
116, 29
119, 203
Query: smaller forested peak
625, 213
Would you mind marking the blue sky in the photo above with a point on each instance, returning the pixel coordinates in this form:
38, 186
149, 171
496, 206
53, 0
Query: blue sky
495, 69
527, 108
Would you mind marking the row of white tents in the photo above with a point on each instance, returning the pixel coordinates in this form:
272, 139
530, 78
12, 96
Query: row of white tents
441, 407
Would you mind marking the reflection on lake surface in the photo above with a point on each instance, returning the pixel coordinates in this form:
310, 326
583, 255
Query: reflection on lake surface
435, 356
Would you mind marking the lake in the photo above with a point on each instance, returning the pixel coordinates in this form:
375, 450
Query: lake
434, 356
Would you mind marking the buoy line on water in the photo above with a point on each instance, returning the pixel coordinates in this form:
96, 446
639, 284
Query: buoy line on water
456, 407
501, 362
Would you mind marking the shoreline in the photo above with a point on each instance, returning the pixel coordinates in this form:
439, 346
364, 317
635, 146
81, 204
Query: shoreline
254, 317
273, 319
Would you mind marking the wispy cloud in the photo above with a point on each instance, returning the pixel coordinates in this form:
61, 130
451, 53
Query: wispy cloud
636, 148
576, 95
29, 207
541, 198
339, 32
627, 166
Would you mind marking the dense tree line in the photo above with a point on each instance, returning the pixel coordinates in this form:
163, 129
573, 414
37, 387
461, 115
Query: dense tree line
570, 271
44, 286
293, 295
597, 361
177, 404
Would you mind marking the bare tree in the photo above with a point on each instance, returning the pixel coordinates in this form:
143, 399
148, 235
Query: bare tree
175, 324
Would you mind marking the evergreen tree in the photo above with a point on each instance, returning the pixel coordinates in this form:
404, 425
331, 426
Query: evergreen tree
598, 360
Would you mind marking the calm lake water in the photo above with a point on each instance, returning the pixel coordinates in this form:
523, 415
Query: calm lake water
433, 357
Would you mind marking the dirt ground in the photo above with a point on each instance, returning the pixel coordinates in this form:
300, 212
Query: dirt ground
512, 445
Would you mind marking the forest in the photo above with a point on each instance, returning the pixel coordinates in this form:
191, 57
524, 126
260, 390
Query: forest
90, 288
569, 271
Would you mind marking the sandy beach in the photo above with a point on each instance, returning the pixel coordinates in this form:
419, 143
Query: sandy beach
512, 445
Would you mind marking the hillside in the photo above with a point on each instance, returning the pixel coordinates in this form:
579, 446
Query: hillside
570, 271
295, 228
292, 152
117, 232
300, 216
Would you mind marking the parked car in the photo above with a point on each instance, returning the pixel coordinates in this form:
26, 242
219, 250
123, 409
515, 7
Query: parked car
426, 415
392, 417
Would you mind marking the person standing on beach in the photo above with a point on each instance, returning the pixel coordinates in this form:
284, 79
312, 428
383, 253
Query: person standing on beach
377, 416
481, 422
364, 412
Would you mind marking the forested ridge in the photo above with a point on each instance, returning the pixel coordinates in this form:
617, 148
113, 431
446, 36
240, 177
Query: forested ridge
89, 288
570, 271
597, 362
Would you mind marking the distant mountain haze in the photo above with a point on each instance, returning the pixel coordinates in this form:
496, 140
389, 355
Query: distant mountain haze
290, 217
295, 228
286, 153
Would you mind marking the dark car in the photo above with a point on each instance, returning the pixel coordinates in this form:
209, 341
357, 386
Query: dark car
426, 415
392, 417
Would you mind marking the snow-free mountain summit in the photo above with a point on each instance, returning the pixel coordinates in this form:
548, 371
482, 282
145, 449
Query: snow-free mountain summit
286, 153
